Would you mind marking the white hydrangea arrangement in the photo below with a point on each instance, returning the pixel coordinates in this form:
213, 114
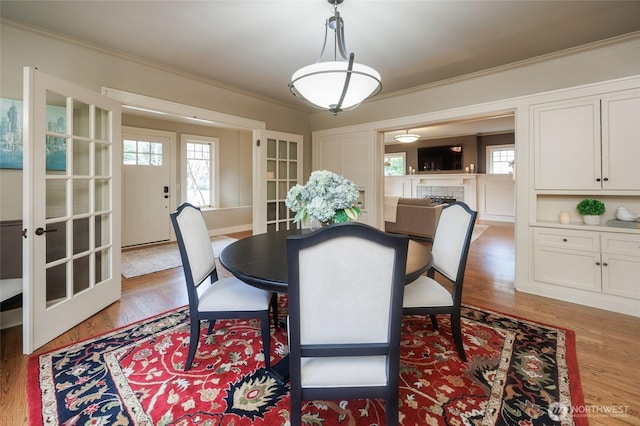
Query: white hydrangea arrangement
327, 197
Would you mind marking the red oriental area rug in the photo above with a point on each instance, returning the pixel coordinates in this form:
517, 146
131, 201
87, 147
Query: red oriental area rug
518, 372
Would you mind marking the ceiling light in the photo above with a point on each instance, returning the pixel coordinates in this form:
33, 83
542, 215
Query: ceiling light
336, 85
407, 137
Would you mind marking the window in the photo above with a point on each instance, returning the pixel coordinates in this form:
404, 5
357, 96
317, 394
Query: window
394, 164
500, 159
201, 170
142, 153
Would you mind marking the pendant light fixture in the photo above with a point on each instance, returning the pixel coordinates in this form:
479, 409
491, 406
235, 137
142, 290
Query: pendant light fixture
336, 85
407, 137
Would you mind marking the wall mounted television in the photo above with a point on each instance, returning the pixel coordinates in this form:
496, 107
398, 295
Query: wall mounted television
435, 158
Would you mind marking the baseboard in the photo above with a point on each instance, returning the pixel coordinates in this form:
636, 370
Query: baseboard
496, 218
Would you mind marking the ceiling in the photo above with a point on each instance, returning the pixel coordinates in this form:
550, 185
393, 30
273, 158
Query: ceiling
256, 45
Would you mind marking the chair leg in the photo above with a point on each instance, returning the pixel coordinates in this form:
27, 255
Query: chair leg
194, 338
434, 321
295, 411
392, 410
265, 330
457, 335
274, 309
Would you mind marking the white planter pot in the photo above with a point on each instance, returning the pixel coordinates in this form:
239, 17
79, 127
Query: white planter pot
591, 220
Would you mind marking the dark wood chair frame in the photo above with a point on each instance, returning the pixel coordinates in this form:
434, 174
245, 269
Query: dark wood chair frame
195, 316
455, 309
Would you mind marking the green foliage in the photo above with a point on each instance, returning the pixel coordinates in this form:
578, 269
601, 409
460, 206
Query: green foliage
590, 207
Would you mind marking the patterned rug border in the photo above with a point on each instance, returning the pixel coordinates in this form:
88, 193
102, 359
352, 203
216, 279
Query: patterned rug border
575, 387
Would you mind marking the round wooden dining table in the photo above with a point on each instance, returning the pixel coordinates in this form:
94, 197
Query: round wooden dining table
261, 260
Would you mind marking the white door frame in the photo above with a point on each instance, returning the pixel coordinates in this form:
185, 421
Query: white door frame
200, 116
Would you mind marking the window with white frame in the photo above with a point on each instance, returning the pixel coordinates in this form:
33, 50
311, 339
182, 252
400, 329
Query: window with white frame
394, 163
141, 153
500, 159
200, 155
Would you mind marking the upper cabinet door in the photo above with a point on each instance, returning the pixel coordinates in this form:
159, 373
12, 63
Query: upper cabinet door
566, 137
621, 141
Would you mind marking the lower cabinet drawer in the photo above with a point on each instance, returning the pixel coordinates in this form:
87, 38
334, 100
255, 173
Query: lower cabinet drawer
578, 269
567, 239
621, 244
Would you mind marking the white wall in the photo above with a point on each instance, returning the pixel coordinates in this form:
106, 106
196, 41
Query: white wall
496, 198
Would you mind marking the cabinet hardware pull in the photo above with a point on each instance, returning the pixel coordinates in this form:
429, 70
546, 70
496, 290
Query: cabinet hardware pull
597, 263
605, 264
598, 179
606, 179
564, 240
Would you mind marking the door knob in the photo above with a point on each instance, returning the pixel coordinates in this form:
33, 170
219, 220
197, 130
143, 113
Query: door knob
40, 231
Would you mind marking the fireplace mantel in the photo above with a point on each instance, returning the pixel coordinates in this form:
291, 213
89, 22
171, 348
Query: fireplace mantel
424, 184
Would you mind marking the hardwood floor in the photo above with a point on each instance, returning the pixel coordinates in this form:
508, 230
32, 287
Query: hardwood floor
608, 344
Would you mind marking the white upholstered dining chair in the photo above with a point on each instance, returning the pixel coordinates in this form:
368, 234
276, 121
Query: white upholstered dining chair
211, 298
426, 296
345, 313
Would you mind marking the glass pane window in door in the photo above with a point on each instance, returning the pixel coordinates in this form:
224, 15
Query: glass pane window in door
81, 196
271, 148
102, 195
56, 198
102, 130
141, 153
56, 113
80, 119
81, 156
102, 157
56, 153
130, 152
199, 173
102, 265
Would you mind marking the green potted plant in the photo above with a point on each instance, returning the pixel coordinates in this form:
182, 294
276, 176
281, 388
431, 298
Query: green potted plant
591, 210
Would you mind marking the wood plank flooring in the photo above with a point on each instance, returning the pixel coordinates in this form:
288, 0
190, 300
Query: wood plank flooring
608, 344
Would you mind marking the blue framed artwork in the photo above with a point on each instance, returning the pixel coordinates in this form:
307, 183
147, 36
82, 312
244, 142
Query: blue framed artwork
11, 138
10, 134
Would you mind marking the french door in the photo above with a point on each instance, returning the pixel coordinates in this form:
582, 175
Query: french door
277, 168
71, 207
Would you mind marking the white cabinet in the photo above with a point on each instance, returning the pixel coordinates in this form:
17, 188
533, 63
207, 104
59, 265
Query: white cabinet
621, 265
567, 258
621, 141
603, 262
590, 143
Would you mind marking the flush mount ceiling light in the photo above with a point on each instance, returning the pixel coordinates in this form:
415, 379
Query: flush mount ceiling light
407, 137
336, 85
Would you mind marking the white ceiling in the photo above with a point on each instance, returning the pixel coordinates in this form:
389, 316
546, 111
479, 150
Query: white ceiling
256, 45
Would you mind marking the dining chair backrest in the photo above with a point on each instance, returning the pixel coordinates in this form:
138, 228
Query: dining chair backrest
452, 239
346, 284
346, 281
198, 259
